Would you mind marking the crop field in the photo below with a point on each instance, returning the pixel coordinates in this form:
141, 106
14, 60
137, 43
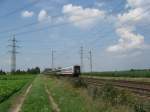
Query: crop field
137, 79
40, 93
131, 73
9, 86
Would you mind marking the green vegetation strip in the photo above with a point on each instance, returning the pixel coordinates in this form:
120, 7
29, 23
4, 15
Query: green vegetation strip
37, 99
67, 98
131, 73
17, 77
137, 79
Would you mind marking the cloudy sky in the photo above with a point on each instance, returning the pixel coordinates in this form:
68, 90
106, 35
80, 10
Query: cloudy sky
116, 31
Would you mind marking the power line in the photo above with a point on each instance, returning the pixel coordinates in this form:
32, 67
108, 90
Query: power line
21, 8
30, 24
25, 25
18, 27
67, 23
44, 28
57, 25
54, 25
35, 23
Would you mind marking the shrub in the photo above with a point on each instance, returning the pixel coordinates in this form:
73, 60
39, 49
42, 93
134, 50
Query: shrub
139, 108
78, 82
109, 93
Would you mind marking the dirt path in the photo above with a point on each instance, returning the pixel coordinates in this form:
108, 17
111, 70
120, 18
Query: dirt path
54, 105
16, 107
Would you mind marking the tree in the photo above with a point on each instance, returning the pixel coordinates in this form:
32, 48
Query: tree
35, 70
2, 72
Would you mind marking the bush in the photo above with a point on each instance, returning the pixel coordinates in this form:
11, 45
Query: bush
109, 93
2, 72
112, 95
139, 108
78, 82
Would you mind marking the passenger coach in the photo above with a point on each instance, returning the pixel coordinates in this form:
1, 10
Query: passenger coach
70, 71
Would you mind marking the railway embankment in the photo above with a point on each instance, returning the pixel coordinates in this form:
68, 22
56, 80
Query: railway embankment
71, 92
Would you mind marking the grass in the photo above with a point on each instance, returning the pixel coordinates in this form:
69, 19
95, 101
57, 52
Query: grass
122, 78
11, 84
71, 98
6, 104
17, 77
67, 99
105, 99
37, 99
8, 88
119, 100
131, 73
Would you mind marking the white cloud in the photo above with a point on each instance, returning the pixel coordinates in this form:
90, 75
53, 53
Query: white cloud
138, 3
27, 14
131, 17
43, 16
126, 23
128, 41
82, 17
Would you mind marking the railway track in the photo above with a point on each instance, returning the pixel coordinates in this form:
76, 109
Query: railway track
140, 88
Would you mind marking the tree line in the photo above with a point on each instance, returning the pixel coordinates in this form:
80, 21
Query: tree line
35, 70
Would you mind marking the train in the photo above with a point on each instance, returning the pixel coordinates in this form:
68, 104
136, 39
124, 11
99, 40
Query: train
73, 71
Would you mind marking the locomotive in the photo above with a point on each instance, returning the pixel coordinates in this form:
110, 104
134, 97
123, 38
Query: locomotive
73, 71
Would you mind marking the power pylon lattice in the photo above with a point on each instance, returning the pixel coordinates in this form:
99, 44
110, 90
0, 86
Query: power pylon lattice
13, 54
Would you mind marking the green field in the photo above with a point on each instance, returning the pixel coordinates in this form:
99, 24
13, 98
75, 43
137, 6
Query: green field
66, 96
131, 73
11, 85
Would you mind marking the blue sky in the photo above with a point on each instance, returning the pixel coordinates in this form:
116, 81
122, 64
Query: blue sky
117, 32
